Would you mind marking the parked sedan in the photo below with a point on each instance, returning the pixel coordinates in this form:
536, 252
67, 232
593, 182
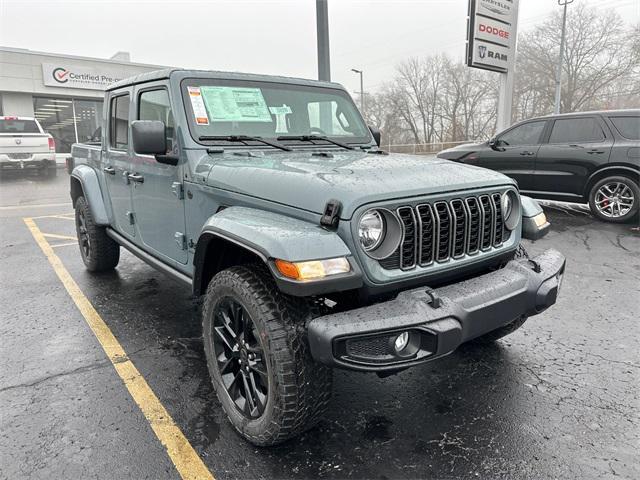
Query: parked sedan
589, 157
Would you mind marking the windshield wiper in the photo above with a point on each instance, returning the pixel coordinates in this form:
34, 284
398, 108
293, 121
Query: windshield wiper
244, 138
310, 138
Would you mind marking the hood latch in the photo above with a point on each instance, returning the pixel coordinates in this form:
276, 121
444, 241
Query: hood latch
331, 215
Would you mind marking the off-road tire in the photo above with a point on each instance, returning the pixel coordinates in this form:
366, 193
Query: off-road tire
632, 214
299, 389
104, 252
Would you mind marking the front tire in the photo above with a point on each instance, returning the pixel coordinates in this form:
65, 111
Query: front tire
268, 384
615, 199
99, 251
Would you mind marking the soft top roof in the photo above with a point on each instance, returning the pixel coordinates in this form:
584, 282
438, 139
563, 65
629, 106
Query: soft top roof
182, 73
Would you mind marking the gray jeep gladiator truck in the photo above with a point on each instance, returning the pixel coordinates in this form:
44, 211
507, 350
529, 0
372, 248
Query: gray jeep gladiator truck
312, 248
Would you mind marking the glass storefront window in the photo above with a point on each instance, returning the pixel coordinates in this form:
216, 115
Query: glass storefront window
68, 120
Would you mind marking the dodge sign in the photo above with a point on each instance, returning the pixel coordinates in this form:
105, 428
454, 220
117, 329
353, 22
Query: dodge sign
491, 34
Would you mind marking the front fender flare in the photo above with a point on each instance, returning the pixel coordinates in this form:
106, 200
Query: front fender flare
91, 191
271, 235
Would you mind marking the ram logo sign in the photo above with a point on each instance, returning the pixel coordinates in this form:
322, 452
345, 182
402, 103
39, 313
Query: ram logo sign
491, 34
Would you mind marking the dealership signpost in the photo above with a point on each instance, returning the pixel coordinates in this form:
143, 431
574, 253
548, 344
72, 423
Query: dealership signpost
492, 29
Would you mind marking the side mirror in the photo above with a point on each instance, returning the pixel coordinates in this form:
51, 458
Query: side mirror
496, 144
150, 138
376, 134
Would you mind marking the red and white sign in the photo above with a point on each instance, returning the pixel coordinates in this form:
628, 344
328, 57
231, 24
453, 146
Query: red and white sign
492, 31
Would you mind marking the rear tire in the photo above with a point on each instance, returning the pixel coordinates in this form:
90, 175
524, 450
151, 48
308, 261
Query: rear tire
615, 199
99, 251
262, 372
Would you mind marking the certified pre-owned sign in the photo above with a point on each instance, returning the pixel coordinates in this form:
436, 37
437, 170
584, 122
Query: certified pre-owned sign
73, 76
491, 34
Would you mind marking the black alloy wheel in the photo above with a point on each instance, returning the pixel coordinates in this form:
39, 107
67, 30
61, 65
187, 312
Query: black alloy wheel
240, 358
83, 235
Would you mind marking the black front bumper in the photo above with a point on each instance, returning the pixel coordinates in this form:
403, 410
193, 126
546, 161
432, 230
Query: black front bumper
437, 321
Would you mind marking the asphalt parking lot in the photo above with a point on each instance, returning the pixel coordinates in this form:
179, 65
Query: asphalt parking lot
557, 399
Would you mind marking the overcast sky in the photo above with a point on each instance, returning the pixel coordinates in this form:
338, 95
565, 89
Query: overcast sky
260, 36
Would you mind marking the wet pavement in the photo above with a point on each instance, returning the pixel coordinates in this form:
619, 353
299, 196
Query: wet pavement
557, 399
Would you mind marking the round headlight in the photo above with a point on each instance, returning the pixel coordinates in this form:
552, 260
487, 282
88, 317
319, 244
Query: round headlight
511, 209
371, 230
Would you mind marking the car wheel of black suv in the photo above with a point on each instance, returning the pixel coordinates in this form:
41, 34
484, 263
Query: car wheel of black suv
99, 251
615, 199
258, 359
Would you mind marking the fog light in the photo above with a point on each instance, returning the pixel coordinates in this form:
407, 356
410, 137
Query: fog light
401, 341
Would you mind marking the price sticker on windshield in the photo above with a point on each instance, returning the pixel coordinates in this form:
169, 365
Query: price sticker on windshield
197, 104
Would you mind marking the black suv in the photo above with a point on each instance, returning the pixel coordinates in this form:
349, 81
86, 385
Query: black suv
583, 157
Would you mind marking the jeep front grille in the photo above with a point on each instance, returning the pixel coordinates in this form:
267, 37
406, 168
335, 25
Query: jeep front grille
448, 230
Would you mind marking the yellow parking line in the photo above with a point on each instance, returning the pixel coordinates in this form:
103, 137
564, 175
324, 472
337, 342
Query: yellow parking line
180, 451
63, 244
64, 216
60, 237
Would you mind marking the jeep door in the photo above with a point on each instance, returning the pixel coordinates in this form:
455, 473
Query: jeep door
156, 187
515, 152
576, 147
116, 161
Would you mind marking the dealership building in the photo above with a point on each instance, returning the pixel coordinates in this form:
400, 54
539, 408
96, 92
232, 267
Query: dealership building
63, 92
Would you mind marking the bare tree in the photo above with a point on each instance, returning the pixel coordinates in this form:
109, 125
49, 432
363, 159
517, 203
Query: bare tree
598, 61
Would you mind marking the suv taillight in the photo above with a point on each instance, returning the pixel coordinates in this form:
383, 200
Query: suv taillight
52, 144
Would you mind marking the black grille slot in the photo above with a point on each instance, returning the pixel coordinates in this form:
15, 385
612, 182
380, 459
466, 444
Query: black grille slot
499, 229
448, 230
487, 224
475, 224
443, 231
460, 224
373, 348
426, 222
408, 246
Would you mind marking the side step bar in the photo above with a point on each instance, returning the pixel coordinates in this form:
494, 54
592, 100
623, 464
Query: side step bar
150, 259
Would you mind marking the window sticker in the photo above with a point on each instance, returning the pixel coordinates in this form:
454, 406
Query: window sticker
199, 110
283, 110
235, 104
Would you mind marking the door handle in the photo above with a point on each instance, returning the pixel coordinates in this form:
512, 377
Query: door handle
109, 170
527, 153
595, 151
134, 177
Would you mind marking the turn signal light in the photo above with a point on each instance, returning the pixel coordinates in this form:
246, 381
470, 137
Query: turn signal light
540, 219
313, 270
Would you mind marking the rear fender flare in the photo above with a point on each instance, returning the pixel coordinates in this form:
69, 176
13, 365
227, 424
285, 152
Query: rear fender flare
87, 178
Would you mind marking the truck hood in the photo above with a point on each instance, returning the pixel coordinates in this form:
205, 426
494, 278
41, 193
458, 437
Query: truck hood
307, 181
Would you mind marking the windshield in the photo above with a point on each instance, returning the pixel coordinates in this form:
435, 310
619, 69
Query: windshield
217, 108
18, 126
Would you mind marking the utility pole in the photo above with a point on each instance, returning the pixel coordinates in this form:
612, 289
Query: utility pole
361, 90
562, 3
507, 80
322, 24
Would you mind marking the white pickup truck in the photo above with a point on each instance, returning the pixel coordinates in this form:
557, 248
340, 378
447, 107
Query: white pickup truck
25, 145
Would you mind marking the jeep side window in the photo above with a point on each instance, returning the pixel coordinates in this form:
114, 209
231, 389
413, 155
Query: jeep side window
119, 122
576, 130
155, 105
527, 134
